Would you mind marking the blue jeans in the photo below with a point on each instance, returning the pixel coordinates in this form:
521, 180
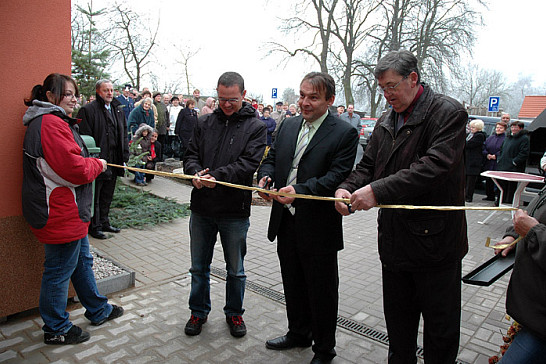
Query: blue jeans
525, 349
64, 262
203, 233
139, 177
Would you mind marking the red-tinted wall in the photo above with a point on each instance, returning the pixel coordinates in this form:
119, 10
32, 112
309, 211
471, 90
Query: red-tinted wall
35, 41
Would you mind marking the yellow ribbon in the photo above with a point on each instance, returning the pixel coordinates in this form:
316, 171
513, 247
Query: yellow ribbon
310, 197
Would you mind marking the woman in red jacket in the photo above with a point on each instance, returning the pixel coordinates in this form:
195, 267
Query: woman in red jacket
57, 196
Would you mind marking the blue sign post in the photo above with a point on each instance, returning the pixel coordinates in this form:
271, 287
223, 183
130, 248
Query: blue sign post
274, 93
493, 104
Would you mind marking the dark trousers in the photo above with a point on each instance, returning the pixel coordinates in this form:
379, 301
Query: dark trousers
310, 284
509, 190
470, 186
434, 294
490, 188
104, 192
162, 139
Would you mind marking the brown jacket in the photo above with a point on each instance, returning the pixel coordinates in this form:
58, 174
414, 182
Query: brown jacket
422, 164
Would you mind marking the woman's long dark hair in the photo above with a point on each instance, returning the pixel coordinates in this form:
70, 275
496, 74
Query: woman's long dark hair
54, 83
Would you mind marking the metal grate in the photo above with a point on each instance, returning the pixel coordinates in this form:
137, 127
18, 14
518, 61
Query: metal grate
345, 323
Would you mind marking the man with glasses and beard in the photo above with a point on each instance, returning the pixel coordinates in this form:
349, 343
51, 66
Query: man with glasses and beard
415, 157
226, 145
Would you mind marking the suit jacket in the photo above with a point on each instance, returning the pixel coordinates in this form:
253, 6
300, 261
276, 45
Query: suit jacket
326, 162
95, 122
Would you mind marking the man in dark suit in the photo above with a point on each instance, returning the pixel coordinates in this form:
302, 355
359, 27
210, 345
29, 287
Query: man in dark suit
313, 153
104, 120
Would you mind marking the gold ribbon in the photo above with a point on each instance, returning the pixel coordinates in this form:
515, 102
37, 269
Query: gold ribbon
310, 197
501, 246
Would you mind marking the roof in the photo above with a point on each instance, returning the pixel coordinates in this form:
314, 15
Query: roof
532, 106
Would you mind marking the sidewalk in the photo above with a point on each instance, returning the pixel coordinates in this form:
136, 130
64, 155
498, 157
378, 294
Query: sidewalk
152, 329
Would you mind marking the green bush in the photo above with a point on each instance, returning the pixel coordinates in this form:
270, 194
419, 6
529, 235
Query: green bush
135, 208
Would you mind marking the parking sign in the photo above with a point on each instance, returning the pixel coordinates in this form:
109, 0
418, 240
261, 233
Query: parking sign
493, 104
274, 93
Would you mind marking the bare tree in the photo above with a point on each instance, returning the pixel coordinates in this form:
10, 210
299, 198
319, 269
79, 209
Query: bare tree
438, 32
289, 96
132, 40
475, 85
319, 27
187, 54
351, 29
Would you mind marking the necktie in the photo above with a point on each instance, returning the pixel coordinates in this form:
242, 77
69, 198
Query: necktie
300, 148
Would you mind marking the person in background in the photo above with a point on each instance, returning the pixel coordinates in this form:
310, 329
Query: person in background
216, 208
142, 114
162, 124
491, 152
105, 122
415, 157
352, 118
154, 157
143, 138
126, 101
473, 156
340, 110
513, 157
172, 147
270, 125
167, 99
186, 121
209, 106
57, 196
279, 115
198, 101
146, 93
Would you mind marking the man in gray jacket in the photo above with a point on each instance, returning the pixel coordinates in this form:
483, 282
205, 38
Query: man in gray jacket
415, 157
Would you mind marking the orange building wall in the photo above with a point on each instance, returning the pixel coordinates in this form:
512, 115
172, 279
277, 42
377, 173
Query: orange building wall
35, 41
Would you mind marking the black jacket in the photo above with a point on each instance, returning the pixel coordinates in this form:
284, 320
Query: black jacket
96, 122
327, 160
473, 154
514, 152
232, 148
186, 121
526, 296
422, 165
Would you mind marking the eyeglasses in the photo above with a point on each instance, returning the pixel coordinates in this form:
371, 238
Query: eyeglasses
390, 89
69, 95
231, 101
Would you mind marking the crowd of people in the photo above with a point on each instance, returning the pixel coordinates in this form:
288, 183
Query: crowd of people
416, 157
501, 151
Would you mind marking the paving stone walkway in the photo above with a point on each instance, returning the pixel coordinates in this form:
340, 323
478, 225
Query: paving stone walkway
152, 330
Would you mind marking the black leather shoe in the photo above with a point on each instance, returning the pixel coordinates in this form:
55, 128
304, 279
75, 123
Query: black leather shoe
321, 359
98, 234
111, 229
286, 342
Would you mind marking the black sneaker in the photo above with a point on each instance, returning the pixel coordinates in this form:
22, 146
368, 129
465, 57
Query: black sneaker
117, 311
194, 325
73, 336
237, 325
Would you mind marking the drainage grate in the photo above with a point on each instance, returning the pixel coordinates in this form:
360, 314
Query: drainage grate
345, 323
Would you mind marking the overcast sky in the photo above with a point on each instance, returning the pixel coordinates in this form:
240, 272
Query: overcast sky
230, 36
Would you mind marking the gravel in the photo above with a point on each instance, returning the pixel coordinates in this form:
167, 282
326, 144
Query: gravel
104, 268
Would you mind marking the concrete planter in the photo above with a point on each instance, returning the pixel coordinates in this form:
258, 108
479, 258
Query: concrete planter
122, 279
